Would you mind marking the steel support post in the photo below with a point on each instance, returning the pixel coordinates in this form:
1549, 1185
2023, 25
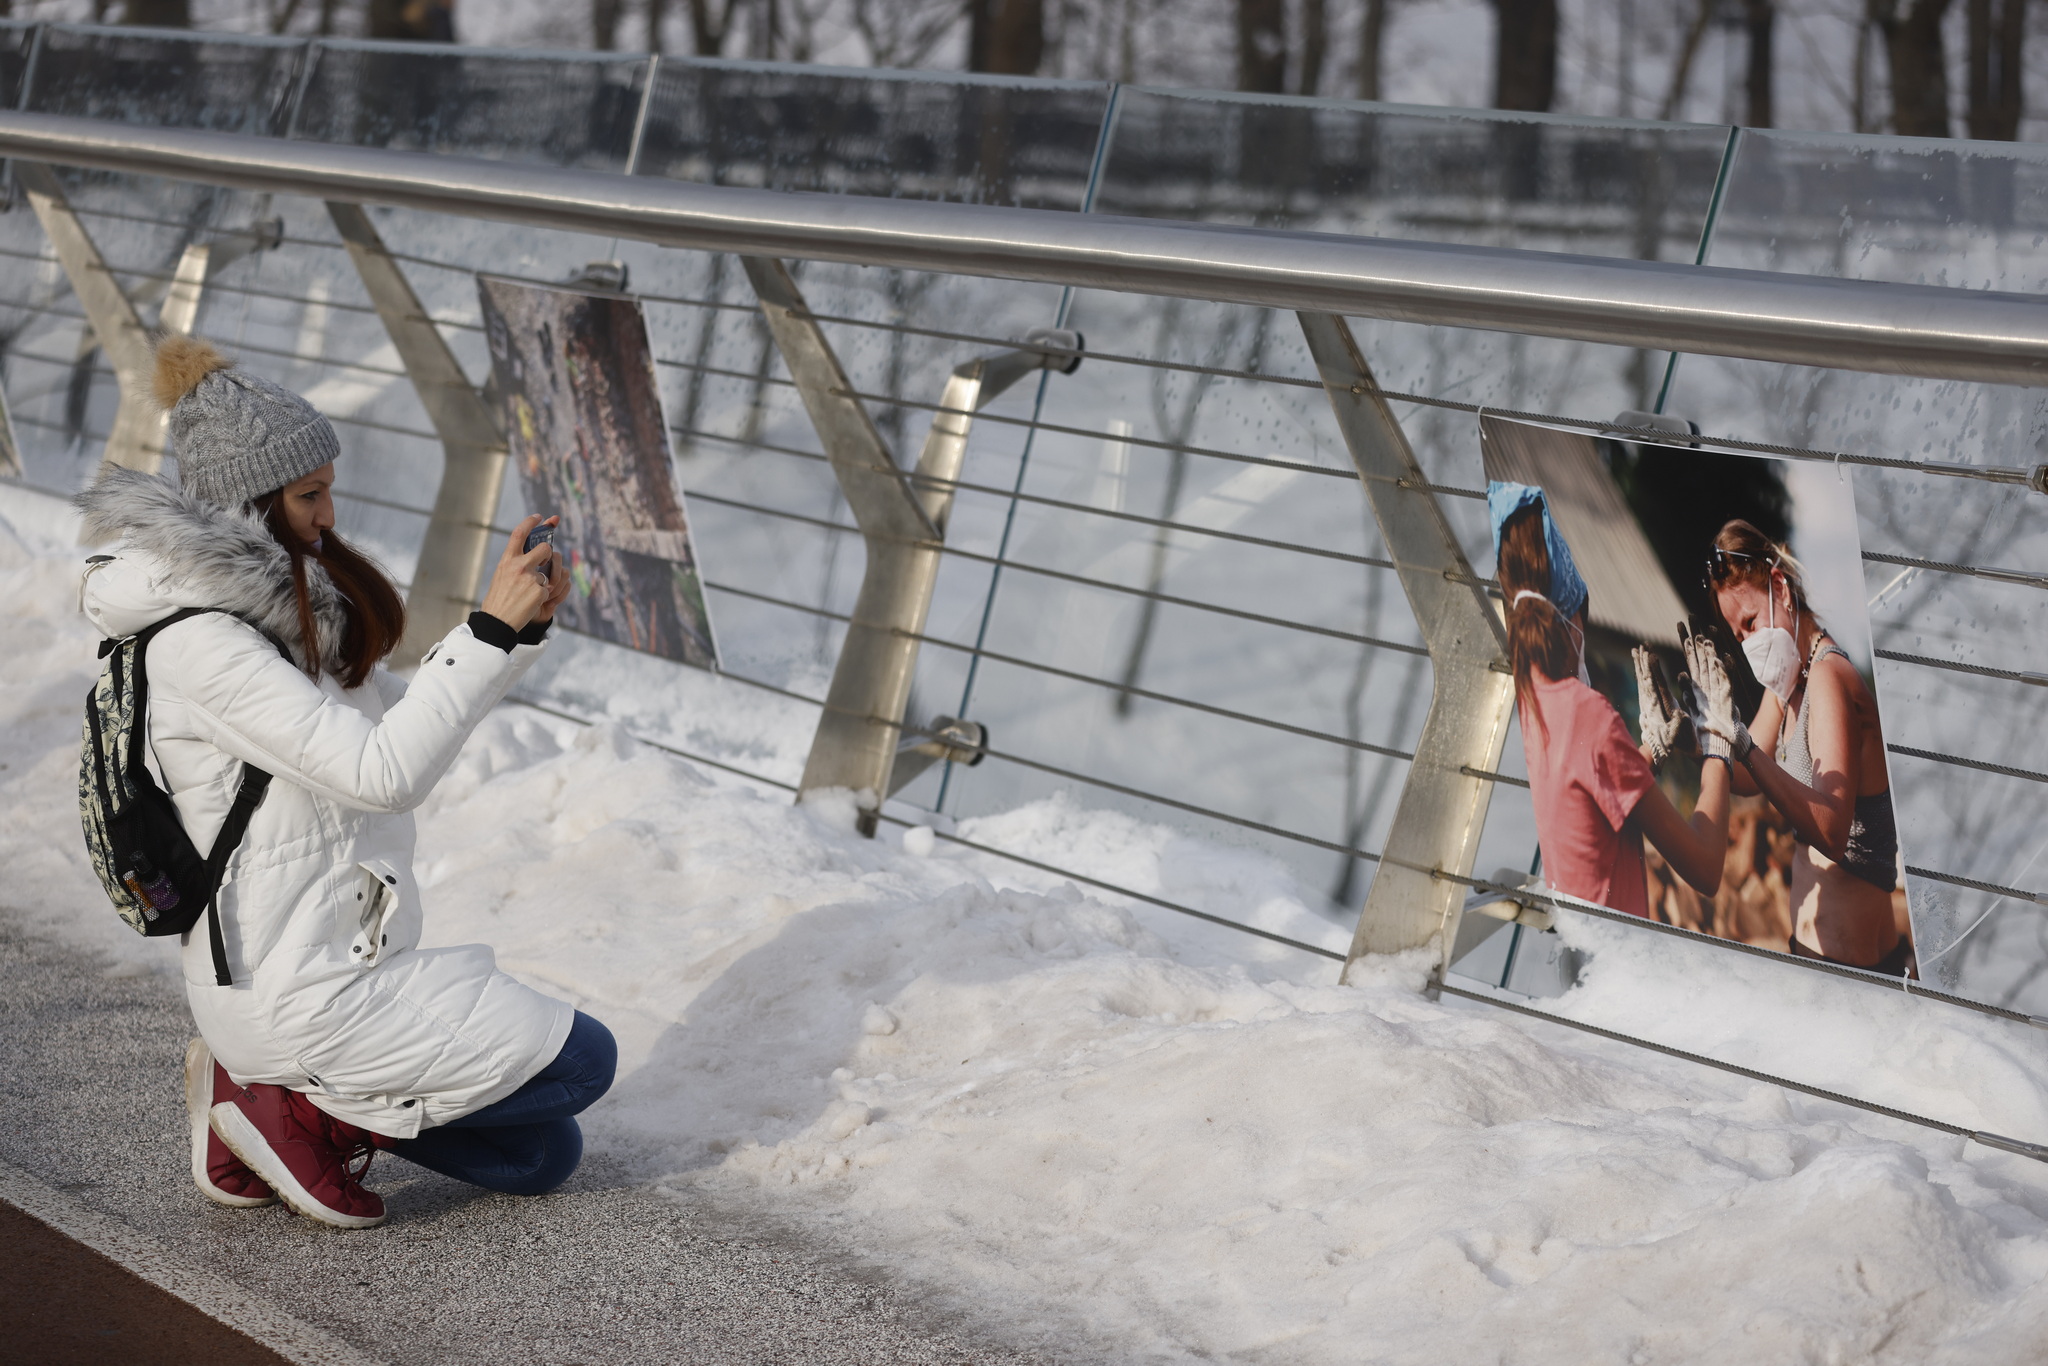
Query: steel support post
137, 439
1442, 809
902, 519
453, 552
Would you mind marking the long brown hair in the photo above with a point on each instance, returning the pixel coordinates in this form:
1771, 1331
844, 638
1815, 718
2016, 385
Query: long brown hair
374, 612
1537, 635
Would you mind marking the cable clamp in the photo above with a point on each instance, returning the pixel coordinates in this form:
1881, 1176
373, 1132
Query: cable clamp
2037, 1151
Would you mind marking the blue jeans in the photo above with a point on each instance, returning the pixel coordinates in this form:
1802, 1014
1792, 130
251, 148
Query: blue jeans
525, 1144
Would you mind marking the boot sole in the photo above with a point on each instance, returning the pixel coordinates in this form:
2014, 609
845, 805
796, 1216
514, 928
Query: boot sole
199, 1100
245, 1142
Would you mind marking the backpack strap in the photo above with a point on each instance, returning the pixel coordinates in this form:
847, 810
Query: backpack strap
248, 794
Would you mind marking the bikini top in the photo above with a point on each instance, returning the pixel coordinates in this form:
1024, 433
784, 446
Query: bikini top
1873, 852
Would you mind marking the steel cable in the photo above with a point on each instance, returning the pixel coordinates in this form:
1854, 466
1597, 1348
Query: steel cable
2036, 1151
1036, 667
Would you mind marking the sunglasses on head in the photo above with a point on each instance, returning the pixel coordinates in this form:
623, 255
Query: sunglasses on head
1722, 566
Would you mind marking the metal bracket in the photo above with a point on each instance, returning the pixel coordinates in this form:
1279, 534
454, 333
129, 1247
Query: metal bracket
450, 569
946, 739
1443, 804
137, 440
902, 518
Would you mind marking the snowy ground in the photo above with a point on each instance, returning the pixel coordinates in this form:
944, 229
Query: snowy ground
1112, 1128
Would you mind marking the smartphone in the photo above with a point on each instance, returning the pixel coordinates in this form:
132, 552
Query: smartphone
539, 536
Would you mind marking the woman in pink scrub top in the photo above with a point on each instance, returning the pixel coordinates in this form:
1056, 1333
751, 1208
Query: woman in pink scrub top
1595, 788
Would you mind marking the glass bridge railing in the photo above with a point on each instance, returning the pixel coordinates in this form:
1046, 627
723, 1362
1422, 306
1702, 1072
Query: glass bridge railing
1188, 485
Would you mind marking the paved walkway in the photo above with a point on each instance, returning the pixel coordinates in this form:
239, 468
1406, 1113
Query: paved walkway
600, 1272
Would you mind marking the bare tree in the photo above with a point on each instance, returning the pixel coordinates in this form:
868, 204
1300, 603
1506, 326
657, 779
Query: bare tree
158, 13
657, 20
1998, 36
1688, 52
1262, 45
711, 25
764, 29
903, 33
1315, 46
1918, 64
1525, 54
604, 23
1760, 18
1372, 32
1005, 36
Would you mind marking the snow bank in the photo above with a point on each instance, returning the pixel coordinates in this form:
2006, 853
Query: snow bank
1125, 1132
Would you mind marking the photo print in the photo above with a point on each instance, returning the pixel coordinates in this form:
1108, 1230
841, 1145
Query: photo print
1666, 605
577, 392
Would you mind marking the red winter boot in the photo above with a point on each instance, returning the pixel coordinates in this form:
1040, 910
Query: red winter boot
313, 1161
221, 1176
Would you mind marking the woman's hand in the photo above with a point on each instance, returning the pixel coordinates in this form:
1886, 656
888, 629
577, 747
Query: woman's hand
1660, 719
1722, 734
518, 594
558, 586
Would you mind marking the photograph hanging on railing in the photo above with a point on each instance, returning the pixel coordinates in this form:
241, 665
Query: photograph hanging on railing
581, 406
1691, 648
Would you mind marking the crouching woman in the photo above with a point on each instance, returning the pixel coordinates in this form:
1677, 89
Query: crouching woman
326, 1032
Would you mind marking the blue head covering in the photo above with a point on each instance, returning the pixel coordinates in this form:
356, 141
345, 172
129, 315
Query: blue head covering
1504, 500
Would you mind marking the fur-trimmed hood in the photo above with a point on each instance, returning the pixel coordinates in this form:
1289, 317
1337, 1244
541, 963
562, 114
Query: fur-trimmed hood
180, 551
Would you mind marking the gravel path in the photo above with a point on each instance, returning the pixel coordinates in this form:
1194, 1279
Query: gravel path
600, 1272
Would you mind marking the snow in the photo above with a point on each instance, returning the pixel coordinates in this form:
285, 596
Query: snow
1124, 1133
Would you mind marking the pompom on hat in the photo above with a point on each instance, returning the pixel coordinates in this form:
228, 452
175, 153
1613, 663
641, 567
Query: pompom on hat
236, 437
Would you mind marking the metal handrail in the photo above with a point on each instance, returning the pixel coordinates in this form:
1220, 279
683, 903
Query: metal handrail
1884, 328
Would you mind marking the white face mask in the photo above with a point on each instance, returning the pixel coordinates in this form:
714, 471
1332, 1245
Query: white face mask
1772, 654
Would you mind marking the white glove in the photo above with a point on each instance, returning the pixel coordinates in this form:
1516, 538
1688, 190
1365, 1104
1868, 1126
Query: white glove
1722, 734
1661, 720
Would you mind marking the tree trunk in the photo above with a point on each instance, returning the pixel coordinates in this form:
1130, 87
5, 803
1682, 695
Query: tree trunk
1681, 70
764, 34
1525, 54
1372, 29
604, 24
327, 9
1918, 62
1006, 36
158, 13
1262, 46
710, 25
1315, 45
1998, 34
1760, 18
657, 20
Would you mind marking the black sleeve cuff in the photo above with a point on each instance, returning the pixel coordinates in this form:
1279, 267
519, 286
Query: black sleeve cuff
492, 631
534, 632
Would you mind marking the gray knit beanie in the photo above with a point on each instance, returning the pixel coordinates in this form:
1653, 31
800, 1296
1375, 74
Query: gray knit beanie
237, 437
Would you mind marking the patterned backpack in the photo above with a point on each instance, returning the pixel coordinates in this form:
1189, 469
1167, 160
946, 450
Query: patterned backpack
156, 878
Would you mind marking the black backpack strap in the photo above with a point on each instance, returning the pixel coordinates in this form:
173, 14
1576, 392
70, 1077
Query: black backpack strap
248, 795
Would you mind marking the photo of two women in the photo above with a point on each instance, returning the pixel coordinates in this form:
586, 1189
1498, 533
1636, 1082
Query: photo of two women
1691, 653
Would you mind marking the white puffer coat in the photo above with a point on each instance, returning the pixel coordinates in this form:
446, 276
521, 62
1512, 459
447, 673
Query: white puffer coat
374, 1029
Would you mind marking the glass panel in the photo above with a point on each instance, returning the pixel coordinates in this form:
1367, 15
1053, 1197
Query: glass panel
235, 85
1973, 215
1604, 187
557, 109
977, 139
16, 37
